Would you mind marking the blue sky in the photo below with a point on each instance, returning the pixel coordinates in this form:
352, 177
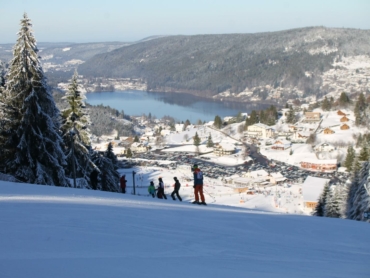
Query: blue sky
123, 20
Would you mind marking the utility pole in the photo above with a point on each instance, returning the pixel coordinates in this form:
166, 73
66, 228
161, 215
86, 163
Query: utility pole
133, 179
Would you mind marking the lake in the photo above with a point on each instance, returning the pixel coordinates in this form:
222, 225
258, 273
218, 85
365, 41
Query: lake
179, 106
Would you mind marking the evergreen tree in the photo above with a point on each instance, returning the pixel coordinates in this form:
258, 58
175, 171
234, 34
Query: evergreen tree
335, 203
75, 132
136, 139
290, 118
30, 143
110, 154
217, 123
2, 76
364, 153
252, 119
343, 100
109, 177
320, 207
325, 105
129, 153
210, 143
349, 158
359, 111
196, 139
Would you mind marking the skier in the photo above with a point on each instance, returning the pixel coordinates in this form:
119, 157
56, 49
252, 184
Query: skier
198, 185
176, 190
160, 190
151, 189
123, 181
94, 179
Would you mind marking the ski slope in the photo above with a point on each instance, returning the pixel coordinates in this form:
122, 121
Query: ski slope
64, 232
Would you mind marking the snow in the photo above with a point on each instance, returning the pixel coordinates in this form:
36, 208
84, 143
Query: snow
64, 232
312, 188
66, 49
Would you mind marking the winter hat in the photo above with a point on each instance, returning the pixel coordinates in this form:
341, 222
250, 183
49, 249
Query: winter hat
195, 166
151, 183
175, 178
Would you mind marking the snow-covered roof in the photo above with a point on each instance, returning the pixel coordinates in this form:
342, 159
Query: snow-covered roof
312, 188
263, 126
258, 173
319, 161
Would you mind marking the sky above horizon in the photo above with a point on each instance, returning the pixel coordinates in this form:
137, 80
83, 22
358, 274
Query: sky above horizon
114, 20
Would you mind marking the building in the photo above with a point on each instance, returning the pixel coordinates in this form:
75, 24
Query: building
328, 131
138, 147
324, 165
260, 130
344, 127
276, 178
312, 188
300, 136
221, 149
324, 147
344, 119
281, 145
340, 113
312, 117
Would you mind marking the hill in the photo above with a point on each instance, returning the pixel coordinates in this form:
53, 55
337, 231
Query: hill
63, 232
208, 65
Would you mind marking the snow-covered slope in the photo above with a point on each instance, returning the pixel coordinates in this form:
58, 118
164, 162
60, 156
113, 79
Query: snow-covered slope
63, 232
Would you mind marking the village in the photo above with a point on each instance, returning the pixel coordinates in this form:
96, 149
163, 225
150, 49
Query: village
263, 167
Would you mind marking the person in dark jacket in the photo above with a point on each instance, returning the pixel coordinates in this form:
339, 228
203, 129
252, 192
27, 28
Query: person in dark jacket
122, 182
94, 179
198, 185
160, 190
176, 189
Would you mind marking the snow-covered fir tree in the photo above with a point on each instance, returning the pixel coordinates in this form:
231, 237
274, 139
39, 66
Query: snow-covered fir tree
29, 129
110, 154
109, 177
358, 197
2, 75
321, 204
336, 202
210, 143
75, 132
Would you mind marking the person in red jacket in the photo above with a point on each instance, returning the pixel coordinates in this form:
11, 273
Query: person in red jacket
198, 186
123, 181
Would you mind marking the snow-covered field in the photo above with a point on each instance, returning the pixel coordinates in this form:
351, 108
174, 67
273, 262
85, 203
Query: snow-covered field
63, 232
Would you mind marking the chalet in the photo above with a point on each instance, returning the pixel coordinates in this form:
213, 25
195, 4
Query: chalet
281, 145
344, 127
276, 178
312, 117
221, 149
344, 119
340, 113
324, 165
311, 191
300, 136
260, 130
328, 131
138, 147
324, 147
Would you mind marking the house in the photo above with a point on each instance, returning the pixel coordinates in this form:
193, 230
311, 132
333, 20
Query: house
276, 178
257, 174
344, 127
324, 147
260, 130
340, 113
281, 145
344, 119
242, 184
312, 117
312, 188
138, 147
328, 131
221, 149
324, 165
300, 136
